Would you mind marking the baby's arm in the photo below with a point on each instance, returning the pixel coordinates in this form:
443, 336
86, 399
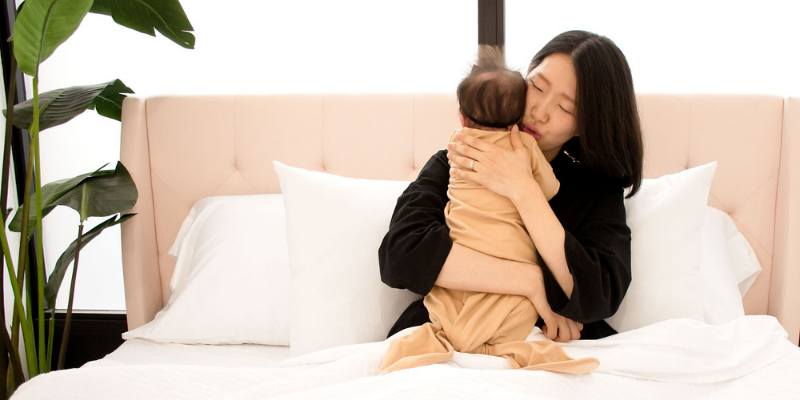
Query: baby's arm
543, 172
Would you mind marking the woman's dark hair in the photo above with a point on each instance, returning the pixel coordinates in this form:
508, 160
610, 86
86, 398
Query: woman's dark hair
609, 130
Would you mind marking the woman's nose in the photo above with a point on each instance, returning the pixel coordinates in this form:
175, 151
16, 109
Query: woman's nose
539, 113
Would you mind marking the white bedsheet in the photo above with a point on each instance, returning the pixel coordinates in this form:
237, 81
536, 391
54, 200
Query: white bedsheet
748, 358
145, 352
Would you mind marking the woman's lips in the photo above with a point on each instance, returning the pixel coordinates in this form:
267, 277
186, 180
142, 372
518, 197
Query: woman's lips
531, 130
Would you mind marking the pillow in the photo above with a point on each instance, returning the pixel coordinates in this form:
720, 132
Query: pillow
722, 301
334, 227
231, 279
665, 218
743, 258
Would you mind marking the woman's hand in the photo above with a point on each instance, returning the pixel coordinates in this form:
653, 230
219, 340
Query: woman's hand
495, 168
564, 329
558, 328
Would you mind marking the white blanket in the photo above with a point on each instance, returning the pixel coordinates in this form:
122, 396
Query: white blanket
747, 358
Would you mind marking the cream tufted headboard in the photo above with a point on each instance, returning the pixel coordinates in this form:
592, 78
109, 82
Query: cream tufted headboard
181, 149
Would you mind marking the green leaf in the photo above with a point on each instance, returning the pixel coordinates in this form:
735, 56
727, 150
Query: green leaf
109, 102
61, 105
51, 193
104, 195
146, 16
42, 25
57, 276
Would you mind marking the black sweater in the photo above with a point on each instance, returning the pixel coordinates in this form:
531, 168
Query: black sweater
597, 243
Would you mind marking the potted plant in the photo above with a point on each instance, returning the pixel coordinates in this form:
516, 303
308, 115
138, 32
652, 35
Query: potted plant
42, 26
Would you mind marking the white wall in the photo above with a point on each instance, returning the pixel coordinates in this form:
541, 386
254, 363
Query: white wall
243, 46
257, 46
676, 46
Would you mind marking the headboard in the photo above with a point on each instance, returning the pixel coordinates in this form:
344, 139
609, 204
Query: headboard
180, 149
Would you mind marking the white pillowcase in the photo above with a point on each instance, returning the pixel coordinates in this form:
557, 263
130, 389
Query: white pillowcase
335, 226
722, 302
665, 218
230, 283
727, 262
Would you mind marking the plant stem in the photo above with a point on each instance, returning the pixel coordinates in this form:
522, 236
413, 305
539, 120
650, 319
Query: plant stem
13, 351
50, 337
12, 88
37, 176
62, 355
27, 329
15, 363
22, 260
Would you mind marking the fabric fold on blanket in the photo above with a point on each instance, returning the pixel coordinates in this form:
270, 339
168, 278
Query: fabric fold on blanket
480, 323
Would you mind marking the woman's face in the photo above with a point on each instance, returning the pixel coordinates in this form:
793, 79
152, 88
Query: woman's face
550, 106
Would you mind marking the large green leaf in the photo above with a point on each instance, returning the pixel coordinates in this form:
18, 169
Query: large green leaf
109, 102
102, 195
42, 25
61, 105
57, 276
50, 194
96, 194
146, 16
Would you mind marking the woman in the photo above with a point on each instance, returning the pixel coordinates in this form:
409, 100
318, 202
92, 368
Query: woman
581, 109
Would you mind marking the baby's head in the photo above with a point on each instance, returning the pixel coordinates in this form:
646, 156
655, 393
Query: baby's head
491, 96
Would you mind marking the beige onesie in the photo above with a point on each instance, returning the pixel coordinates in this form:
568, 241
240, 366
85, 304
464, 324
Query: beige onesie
486, 323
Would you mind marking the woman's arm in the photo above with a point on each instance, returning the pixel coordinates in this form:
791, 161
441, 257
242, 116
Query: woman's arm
414, 249
471, 270
598, 252
417, 251
508, 174
591, 263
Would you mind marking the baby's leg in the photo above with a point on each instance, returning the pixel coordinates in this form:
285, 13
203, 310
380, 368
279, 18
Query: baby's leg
541, 355
429, 343
486, 319
425, 346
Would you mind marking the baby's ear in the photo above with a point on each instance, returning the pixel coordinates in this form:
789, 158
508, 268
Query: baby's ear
463, 119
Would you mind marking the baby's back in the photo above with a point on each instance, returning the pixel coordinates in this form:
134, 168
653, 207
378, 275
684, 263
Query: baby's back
486, 221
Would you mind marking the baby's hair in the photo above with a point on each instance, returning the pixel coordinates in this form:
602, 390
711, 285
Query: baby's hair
492, 95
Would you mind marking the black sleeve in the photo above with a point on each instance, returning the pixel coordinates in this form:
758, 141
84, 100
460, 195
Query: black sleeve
599, 257
413, 252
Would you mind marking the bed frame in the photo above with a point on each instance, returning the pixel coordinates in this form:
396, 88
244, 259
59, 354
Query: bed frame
180, 149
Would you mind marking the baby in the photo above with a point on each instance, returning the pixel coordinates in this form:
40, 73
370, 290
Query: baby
491, 99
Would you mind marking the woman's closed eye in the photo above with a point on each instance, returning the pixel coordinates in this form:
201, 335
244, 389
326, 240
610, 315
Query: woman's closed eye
565, 110
534, 85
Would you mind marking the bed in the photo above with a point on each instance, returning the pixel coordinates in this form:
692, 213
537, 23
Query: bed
251, 208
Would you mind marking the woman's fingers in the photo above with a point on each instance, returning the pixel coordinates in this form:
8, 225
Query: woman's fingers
465, 173
463, 150
574, 331
550, 329
461, 161
561, 329
564, 333
474, 142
